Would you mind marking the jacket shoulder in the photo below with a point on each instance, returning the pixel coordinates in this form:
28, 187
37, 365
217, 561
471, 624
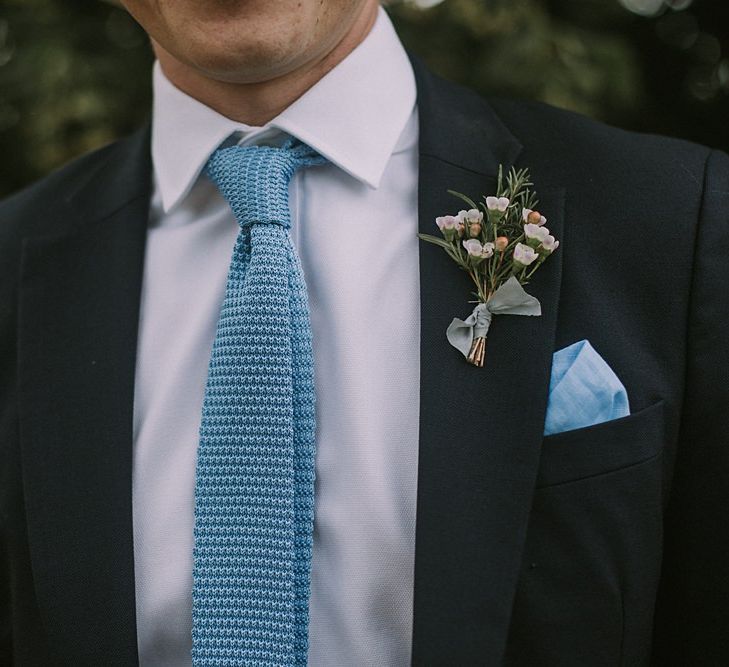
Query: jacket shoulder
580, 149
26, 210
592, 147
103, 178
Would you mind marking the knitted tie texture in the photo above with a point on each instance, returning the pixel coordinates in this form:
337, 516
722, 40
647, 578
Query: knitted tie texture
254, 489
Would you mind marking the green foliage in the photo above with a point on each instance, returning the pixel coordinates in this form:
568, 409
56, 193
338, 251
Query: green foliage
73, 76
519, 49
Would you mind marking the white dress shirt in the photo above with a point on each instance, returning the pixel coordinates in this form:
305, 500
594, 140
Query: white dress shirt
354, 223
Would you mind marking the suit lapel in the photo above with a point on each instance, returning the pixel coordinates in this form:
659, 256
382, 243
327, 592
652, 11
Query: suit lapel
480, 428
79, 305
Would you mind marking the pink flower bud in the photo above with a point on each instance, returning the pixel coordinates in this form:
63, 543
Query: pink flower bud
534, 218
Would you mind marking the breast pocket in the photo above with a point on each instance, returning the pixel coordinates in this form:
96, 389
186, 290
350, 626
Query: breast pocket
602, 448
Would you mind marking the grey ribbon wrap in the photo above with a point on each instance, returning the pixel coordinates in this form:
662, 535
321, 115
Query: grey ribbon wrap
509, 299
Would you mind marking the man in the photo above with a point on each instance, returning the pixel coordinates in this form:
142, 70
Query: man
448, 530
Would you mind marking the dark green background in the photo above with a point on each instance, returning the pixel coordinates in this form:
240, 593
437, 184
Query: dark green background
74, 74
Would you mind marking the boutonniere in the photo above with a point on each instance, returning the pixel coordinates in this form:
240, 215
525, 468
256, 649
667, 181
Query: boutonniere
500, 242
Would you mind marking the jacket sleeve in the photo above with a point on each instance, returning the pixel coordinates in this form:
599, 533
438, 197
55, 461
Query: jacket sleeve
691, 624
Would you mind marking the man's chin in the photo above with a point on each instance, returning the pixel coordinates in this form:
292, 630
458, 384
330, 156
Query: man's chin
255, 64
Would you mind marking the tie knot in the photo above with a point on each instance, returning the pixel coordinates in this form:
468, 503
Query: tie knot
255, 179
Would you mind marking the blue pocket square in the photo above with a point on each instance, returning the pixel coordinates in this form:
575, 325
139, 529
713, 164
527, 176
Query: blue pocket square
583, 390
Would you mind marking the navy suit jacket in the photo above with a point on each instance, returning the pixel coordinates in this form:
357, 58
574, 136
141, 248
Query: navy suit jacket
607, 545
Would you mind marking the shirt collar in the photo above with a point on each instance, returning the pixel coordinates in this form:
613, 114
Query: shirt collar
353, 116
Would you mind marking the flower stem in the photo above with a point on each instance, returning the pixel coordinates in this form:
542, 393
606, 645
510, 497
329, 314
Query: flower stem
474, 276
498, 268
537, 264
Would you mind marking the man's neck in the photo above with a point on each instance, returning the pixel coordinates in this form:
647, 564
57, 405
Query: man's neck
255, 104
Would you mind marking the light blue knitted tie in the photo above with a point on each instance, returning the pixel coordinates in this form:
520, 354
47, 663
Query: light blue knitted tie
254, 490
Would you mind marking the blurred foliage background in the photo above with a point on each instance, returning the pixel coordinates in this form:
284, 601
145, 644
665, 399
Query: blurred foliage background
75, 74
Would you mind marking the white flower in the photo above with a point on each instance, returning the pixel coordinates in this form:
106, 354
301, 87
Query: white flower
524, 255
550, 244
446, 222
488, 249
536, 232
474, 215
470, 216
542, 219
475, 249
497, 203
